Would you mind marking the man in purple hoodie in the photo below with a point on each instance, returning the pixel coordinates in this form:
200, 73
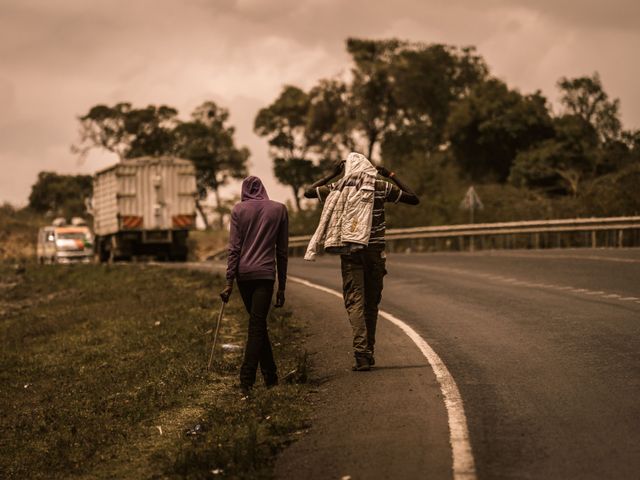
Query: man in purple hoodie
258, 249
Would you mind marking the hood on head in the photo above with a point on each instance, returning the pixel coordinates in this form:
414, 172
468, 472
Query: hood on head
357, 164
253, 189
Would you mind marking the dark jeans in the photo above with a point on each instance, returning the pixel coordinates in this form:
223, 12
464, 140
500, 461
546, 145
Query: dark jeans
362, 277
256, 295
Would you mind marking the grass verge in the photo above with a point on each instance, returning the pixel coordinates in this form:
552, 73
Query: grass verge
103, 372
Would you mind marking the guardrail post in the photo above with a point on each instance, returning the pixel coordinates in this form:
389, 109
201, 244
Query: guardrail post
593, 239
620, 238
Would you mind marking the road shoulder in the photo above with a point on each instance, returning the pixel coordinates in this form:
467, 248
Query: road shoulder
387, 423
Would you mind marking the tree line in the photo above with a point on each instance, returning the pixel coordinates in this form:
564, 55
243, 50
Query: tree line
431, 112
435, 114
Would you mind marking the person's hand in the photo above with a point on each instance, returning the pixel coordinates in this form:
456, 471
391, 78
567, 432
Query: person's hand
226, 293
383, 171
279, 299
339, 167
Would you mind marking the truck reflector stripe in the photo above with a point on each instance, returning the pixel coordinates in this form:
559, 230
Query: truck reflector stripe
183, 221
131, 221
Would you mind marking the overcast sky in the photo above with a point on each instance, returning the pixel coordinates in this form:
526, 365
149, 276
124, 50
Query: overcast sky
60, 57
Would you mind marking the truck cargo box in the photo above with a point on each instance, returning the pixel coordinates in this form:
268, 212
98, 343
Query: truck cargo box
147, 193
144, 207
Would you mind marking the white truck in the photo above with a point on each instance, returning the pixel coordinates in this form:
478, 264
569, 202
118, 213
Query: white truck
144, 207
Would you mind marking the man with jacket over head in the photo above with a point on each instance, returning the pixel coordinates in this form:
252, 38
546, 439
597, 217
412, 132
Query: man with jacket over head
258, 250
359, 198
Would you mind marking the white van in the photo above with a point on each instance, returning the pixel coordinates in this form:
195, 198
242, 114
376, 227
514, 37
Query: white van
65, 244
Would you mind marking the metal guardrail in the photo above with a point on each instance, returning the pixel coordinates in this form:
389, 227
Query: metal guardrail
575, 232
591, 232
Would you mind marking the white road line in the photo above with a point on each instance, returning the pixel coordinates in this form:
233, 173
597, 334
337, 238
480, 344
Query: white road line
627, 299
463, 462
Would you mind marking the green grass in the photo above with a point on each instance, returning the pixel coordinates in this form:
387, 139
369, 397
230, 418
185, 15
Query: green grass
204, 243
103, 369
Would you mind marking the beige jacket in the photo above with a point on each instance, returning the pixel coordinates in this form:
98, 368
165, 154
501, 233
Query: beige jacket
345, 222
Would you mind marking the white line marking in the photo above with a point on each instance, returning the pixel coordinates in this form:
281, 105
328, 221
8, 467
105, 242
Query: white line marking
463, 463
626, 299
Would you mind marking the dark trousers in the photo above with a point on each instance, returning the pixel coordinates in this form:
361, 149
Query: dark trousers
256, 295
362, 278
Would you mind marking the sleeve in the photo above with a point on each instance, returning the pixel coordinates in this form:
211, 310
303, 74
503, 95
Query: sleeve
392, 193
235, 247
323, 192
282, 250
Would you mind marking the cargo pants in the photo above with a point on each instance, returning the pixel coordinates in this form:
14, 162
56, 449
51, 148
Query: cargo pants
363, 272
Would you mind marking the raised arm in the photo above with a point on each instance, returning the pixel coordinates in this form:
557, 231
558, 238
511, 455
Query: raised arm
408, 196
311, 191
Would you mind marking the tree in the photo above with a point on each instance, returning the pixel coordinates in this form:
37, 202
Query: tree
586, 98
404, 89
60, 195
559, 164
427, 81
488, 128
371, 90
104, 127
126, 131
208, 141
285, 124
330, 120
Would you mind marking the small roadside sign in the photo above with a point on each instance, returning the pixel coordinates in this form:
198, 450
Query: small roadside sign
471, 200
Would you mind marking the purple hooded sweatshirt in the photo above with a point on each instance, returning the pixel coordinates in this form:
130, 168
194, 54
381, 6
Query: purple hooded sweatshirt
259, 236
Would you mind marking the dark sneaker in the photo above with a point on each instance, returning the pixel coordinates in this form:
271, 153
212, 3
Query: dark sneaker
245, 391
272, 382
362, 365
371, 358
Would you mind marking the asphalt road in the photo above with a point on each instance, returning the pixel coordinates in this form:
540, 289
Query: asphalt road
544, 347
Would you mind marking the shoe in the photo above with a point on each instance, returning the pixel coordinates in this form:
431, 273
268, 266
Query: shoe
271, 383
245, 391
362, 364
371, 358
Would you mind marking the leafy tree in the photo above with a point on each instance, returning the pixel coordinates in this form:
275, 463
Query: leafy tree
104, 127
208, 141
586, 98
427, 81
126, 131
488, 128
151, 130
559, 164
330, 120
285, 124
60, 195
372, 99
